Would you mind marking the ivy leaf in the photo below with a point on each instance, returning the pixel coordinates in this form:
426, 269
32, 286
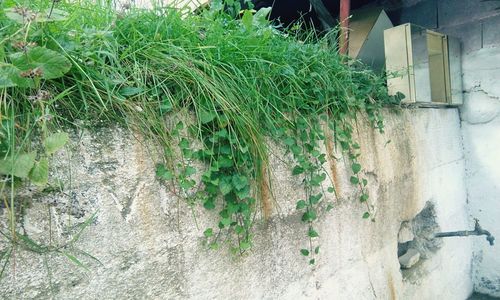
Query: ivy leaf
329, 207
312, 261
289, 141
239, 182
354, 180
309, 216
301, 204
331, 190
363, 198
314, 199
225, 187
316, 250
52, 63
39, 174
55, 141
187, 184
304, 252
365, 182
366, 215
209, 204
356, 168
208, 233
312, 233
245, 245
163, 173
184, 144
19, 166
297, 170
189, 171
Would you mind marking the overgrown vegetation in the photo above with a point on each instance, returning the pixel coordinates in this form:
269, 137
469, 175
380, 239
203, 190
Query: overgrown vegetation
241, 80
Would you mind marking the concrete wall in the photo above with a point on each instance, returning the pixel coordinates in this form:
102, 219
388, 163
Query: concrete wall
151, 248
477, 24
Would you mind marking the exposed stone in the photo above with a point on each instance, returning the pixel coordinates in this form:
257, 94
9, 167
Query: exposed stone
409, 259
405, 233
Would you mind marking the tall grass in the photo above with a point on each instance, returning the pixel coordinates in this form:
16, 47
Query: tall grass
243, 80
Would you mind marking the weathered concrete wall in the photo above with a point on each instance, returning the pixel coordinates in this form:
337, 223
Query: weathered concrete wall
477, 24
150, 247
481, 132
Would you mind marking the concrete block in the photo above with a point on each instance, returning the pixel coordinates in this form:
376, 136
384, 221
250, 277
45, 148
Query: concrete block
423, 13
453, 12
405, 233
409, 259
491, 31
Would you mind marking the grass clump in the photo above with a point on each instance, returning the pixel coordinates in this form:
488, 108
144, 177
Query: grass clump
243, 81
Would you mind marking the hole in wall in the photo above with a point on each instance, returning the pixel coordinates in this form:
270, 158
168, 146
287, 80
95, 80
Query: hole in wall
416, 242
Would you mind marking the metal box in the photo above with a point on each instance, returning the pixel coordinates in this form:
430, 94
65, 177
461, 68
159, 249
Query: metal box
423, 65
366, 37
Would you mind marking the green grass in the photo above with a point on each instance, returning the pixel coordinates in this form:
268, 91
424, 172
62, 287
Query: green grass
242, 80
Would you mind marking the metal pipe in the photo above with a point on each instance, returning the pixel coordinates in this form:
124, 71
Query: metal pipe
478, 230
345, 10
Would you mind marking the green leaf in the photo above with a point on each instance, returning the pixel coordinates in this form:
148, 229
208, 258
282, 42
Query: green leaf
314, 199
301, 204
52, 63
354, 180
356, 168
55, 141
75, 260
312, 233
365, 182
209, 204
19, 166
260, 17
208, 233
297, 170
366, 215
309, 216
165, 106
329, 207
186, 184
163, 173
239, 182
247, 19
9, 77
331, 190
39, 174
206, 116
304, 252
363, 197
189, 171
289, 141
316, 250
184, 144
130, 91
245, 245
225, 221
225, 187
312, 261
